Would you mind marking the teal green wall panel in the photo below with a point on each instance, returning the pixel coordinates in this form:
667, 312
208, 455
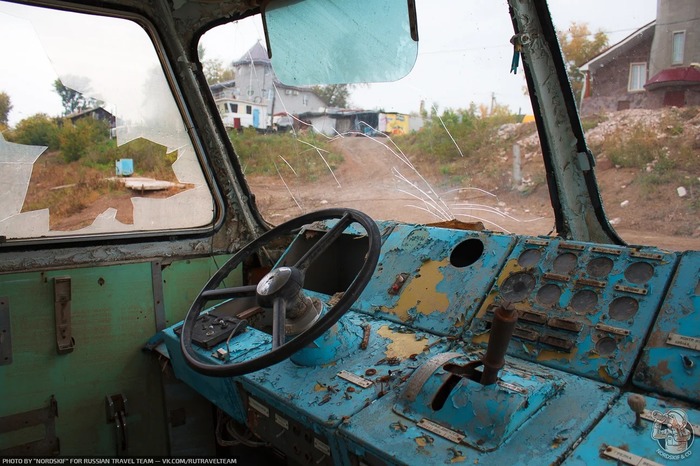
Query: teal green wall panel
184, 279
112, 317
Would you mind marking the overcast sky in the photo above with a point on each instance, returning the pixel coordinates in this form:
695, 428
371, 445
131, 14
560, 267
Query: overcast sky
460, 59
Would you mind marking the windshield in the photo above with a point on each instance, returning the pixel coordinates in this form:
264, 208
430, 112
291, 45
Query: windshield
456, 138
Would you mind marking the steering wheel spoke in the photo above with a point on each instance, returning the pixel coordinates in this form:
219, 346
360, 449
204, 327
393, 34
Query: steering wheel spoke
228, 293
281, 290
326, 240
279, 316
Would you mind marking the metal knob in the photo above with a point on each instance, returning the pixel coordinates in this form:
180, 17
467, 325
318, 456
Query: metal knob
637, 403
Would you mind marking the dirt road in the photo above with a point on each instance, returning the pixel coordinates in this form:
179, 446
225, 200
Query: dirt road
376, 178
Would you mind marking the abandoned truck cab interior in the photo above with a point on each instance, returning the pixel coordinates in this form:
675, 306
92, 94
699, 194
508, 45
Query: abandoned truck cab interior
350, 233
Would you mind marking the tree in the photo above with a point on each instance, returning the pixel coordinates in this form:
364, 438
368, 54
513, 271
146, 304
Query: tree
74, 101
216, 72
578, 45
334, 95
5, 107
36, 130
213, 68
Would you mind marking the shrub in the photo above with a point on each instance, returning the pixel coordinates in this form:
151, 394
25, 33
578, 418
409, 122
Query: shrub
79, 139
36, 130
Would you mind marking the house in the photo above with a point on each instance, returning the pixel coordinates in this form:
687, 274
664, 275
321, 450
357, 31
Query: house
98, 113
256, 82
657, 65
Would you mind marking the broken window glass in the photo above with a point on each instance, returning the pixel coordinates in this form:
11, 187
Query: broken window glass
94, 141
456, 138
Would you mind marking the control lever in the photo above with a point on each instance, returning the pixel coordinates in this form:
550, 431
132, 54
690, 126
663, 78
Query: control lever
637, 403
502, 327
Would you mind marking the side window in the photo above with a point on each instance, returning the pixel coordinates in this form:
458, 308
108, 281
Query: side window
248, 109
93, 141
234, 108
638, 77
678, 48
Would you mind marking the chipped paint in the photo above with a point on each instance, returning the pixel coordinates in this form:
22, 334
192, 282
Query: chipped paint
420, 293
403, 345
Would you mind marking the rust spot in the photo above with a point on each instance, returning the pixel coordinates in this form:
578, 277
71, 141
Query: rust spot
370, 372
100, 281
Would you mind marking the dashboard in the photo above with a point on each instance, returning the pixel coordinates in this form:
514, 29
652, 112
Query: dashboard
601, 361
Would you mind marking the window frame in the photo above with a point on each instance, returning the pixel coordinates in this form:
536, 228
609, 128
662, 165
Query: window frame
677, 53
137, 236
631, 75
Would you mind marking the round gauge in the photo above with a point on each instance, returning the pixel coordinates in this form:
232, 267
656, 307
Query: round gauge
584, 301
529, 257
565, 263
623, 308
599, 267
517, 287
549, 295
606, 346
639, 272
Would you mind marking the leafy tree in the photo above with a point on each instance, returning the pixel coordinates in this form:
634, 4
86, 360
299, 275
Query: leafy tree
74, 101
213, 68
334, 95
216, 72
5, 107
36, 130
578, 45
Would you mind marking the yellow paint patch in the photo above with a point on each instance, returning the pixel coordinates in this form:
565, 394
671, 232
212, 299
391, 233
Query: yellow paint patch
420, 292
319, 388
402, 345
549, 355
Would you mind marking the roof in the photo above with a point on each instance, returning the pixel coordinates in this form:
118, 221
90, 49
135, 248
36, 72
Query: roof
626, 44
256, 55
674, 76
223, 85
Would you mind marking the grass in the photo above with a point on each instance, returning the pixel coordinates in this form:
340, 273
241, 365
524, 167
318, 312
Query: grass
308, 155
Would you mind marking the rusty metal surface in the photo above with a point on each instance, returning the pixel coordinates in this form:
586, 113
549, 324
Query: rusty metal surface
583, 308
427, 436
669, 362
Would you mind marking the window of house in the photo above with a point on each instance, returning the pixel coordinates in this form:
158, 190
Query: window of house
305, 99
251, 91
234, 108
136, 170
638, 76
248, 109
678, 47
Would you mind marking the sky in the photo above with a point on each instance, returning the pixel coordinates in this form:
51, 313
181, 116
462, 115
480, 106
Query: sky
460, 60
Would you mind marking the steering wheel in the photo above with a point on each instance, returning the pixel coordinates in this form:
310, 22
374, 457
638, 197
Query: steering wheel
281, 289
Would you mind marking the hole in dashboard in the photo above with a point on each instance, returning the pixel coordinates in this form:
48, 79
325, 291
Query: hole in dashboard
639, 272
466, 253
606, 346
549, 295
529, 257
599, 267
623, 308
584, 301
565, 263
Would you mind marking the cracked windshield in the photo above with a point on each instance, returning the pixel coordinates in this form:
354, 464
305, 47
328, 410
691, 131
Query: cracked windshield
91, 138
456, 139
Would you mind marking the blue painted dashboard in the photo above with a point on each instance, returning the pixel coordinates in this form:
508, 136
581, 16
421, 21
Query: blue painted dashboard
596, 324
